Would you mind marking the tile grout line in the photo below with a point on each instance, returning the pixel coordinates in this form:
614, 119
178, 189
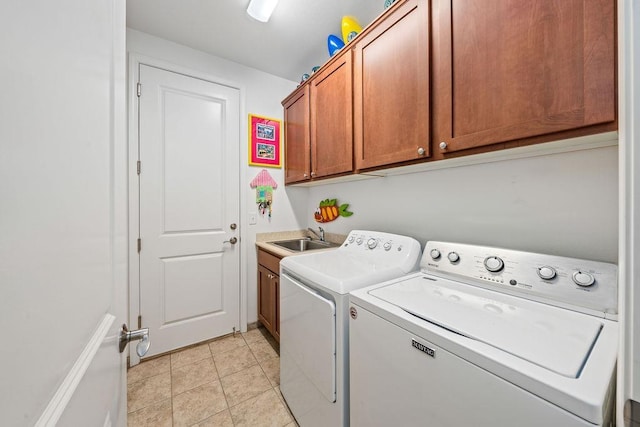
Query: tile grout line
150, 403
273, 387
249, 367
171, 388
220, 380
222, 386
245, 369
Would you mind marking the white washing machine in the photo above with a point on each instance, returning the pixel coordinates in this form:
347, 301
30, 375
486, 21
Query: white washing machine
314, 320
486, 337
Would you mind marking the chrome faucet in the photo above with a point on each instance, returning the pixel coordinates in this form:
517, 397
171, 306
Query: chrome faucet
319, 236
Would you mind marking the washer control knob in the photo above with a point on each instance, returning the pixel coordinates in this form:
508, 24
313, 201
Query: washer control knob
547, 273
387, 246
453, 257
359, 240
351, 239
435, 254
372, 243
583, 279
493, 264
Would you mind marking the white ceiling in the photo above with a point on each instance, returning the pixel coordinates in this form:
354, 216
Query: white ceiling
293, 41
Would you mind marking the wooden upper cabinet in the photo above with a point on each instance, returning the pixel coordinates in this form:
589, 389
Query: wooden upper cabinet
517, 69
296, 136
331, 109
391, 88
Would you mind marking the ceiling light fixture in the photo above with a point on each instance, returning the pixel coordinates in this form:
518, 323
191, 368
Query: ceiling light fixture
261, 9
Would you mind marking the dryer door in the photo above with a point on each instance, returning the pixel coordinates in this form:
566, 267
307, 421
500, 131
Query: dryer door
307, 344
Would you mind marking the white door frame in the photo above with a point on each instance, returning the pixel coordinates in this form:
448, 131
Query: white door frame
135, 60
628, 385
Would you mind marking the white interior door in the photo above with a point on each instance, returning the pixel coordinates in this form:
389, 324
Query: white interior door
189, 208
63, 216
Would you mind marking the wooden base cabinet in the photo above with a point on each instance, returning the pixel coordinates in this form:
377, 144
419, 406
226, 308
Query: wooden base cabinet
512, 70
269, 292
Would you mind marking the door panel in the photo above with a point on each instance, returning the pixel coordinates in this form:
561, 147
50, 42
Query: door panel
332, 119
296, 137
391, 89
309, 343
508, 70
189, 272
266, 303
62, 212
188, 290
193, 139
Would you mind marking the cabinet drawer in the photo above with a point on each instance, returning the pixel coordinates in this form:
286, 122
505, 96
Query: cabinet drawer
269, 261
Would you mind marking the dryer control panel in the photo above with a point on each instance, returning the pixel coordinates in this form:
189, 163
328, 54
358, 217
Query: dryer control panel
385, 248
587, 286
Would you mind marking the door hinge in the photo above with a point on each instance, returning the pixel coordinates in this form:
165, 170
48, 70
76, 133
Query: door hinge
139, 89
139, 245
139, 166
139, 321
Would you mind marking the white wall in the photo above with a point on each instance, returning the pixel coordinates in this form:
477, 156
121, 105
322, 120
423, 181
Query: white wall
262, 94
564, 204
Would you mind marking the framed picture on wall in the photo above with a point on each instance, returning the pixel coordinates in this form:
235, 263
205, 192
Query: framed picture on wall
264, 141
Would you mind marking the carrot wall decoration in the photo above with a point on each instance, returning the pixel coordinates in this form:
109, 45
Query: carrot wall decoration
328, 210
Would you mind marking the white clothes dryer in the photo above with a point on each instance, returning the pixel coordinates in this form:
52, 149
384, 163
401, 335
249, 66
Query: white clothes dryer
314, 303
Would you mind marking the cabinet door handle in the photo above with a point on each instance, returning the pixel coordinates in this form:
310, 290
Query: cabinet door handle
443, 145
305, 175
421, 151
313, 173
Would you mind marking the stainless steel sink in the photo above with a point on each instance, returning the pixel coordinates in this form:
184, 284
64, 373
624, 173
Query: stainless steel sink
301, 245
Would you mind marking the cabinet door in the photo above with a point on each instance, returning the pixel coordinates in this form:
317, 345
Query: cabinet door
391, 88
332, 119
509, 70
296, 136
266, 302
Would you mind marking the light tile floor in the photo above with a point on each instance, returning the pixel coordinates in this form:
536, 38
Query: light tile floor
231, 381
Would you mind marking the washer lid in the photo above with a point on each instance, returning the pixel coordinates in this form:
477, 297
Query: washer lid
553, 338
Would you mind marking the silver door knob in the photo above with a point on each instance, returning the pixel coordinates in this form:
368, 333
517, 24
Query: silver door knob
232, 240
305, 175
233, 226
443, 145
421, 151
139, 334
